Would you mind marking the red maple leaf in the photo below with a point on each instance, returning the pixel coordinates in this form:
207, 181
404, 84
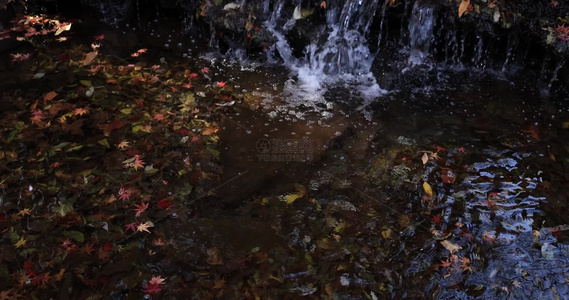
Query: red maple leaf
108, 246
89, 248
99, 37
164, 203
140, 208
152, 288
436, 219
124, 194
132, 226
445, 263
42, 278
440, 149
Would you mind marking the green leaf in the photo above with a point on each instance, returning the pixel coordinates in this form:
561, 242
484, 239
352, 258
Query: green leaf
75, 235
86, 83
549, 39
126, 111
105, 143
60, 146
75, 148
63, 209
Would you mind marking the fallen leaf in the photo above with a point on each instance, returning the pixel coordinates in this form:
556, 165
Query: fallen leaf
89, 58
450, 246
463, 7
425, 158
49, 96
145, 226
427, 188
386, 233
62, 28
21, 242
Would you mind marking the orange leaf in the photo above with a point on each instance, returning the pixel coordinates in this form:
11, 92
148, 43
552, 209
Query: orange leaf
49, 96
209, 131
463, 7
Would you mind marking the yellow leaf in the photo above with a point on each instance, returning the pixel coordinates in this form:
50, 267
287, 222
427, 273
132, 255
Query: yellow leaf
86, 83
463, 7
126, 111
427, 188
386, 233
341, 227
291, 198
105, 143
21, 242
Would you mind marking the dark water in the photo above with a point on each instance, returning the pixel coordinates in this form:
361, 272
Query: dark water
497, 192
451, 190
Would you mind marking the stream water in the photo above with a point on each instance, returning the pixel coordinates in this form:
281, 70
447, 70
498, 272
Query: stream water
447, 183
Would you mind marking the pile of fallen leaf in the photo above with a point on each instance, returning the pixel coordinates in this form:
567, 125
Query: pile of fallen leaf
95, 153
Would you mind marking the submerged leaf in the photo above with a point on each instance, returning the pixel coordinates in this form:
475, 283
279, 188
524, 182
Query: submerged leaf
427, 188
450, 246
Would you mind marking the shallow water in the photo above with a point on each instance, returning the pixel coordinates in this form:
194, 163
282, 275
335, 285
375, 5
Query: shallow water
448, 190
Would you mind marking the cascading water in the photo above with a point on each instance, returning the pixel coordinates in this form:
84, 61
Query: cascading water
339, 53
421, 33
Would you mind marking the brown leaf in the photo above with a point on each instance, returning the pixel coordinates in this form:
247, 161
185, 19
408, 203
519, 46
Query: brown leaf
75, 127
209, 131
49, 96
447, 176
89, 58
463, 7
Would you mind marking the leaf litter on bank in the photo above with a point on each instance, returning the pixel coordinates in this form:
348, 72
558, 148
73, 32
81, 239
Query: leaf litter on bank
60, 146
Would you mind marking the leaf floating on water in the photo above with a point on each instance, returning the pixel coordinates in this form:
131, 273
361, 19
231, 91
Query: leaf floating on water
38, 75
463, 7
230, 6
450, 246
62, 28
425, 158
496, 16
89, 58
297, 14
427, 188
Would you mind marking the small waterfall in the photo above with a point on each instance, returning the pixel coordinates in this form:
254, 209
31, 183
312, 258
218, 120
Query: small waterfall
510, 50
380, 36
421, 33
338, 51
281, 44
